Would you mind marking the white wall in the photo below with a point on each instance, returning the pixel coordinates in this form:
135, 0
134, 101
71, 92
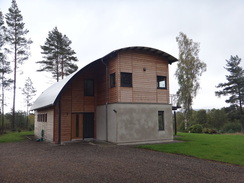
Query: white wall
46, 126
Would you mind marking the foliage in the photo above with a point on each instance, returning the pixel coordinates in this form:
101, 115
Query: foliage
4, 67
209, 131
21, 121
15, 36
28, 91
216, 118
223, 148
189, 69
231, 128
234, 87
196, 128
15, 136
58, 55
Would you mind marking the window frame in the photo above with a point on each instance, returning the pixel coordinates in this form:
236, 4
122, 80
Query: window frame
89, 92
124, 78
42, 117
160, 79
112, 80
161, 121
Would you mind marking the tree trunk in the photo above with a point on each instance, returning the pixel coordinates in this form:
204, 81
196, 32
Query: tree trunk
2, 105
14, 95
62, 67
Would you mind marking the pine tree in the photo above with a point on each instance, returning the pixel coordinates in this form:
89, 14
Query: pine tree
189, 69
4, 66
234, 87
29, 92
58, 55
19, 44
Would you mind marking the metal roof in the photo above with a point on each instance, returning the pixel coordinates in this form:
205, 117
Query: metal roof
50, 95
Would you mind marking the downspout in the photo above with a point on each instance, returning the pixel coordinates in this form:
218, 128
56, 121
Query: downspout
106, 118
59, 122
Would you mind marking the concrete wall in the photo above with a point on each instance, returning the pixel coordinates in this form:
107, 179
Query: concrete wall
46, 126
132, 123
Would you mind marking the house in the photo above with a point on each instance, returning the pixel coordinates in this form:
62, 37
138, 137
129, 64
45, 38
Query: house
122, 97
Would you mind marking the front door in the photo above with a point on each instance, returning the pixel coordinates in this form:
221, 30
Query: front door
88, 125
77, 126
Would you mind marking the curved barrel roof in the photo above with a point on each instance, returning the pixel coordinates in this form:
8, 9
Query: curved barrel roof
51, 94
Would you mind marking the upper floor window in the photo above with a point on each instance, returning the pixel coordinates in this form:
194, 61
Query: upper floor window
112, 80
162, 82
125, 79
89, 87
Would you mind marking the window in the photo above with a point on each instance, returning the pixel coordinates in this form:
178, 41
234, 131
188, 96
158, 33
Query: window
160, 120
126, 79
89, 87
162, 82
112, 80
42, 117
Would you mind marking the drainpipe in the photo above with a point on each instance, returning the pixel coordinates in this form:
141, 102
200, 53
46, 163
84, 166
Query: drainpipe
59, 122
106, 99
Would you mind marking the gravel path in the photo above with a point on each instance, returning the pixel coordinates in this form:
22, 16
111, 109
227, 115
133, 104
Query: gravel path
31, 161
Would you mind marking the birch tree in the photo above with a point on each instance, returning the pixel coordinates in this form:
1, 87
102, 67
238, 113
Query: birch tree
188, 72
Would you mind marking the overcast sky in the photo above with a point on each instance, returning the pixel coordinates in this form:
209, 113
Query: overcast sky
97, 27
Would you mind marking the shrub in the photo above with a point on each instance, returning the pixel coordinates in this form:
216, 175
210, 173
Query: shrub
196, 128
231, 128
209, 131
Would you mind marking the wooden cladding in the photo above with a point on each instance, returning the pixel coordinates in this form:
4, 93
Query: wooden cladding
89, 87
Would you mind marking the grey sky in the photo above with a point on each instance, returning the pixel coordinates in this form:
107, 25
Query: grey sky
99, 27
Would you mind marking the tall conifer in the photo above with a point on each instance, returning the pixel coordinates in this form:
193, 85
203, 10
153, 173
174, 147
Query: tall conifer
234, 87
4, 67
58, 55
19, 44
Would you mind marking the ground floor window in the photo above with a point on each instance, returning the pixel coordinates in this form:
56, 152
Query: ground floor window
160, 120
42, 117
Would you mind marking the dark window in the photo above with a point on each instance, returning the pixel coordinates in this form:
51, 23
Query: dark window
89, 87
42, 117
126, 79
112, 80
162, 82
160, 120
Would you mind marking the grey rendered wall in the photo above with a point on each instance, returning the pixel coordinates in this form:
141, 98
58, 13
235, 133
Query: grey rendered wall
131, 123
46, 126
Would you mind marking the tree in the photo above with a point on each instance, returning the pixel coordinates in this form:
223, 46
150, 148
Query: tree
19, 44
58, 55
4, 66
29, 92
190, 68
234, 87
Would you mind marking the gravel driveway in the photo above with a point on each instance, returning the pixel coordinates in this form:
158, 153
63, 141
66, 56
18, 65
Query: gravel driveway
31, 161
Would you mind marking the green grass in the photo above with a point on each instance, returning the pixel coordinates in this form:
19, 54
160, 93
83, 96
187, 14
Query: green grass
223, 148
14, 136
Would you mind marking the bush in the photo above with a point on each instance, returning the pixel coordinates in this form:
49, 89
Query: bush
196, 128
231, 128
209, 131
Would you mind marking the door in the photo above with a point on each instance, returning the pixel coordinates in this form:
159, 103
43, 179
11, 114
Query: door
77, 126
88, 125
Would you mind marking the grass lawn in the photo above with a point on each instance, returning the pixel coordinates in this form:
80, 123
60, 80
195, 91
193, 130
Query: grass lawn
223, 148
14, 136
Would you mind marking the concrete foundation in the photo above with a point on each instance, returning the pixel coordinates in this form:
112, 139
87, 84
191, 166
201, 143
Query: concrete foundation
133, 123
